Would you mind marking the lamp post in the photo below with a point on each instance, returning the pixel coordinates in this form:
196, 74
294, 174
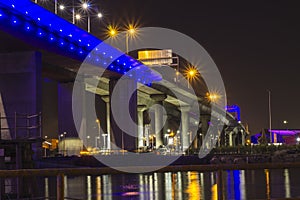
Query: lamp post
99, 132
285, 122
130, 31
87, 8
191, 74
298, 139
270, 117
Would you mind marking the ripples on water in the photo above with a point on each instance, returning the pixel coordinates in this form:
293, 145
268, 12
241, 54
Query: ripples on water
237, 184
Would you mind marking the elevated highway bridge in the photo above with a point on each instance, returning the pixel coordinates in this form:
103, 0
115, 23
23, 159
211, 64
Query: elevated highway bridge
63, 47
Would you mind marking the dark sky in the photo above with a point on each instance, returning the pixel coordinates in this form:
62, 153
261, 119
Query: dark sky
255, 46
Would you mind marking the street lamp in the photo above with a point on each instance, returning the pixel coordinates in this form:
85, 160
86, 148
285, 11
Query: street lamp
298, 139
87, 7
130, 32
87, 142
55, 5
285, 122
99, 131
191, 73
213, 97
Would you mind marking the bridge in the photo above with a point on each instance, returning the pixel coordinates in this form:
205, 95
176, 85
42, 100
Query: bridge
41, 79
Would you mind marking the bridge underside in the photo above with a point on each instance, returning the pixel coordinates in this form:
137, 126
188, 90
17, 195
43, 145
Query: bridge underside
48, 89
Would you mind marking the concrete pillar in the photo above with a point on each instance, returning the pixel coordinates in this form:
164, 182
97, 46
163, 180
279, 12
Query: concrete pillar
185, 122
128, 139
230, 139
83, 127
20, 88
204, 128
141, 109
109, 137
158, 98
243, 137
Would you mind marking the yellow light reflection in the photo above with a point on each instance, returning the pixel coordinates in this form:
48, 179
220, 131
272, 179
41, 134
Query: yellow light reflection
214, 192
89, 188
193, 188
287, 184
267, 173
98, 187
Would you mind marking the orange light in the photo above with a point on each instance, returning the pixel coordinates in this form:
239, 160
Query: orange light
112, 31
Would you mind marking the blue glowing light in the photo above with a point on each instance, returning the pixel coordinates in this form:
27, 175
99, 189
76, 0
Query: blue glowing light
234, 109
65, 38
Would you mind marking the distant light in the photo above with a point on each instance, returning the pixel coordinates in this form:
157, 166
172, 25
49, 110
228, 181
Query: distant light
99, 15
113, 32
131, 29
285, 122
61, 7
192, 72
298, 139
85, 5
77, 16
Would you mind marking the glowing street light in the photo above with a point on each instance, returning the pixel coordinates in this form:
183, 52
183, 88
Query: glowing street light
112, 31
99, 130
61, 7
130, 31
99, 15
78, 17
213, 97
191, 73
85, 5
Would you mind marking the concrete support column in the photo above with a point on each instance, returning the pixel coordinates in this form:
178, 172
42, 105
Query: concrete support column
109, 138
243, 138
185, 122
158, 98
83, 126
230, 139
124, 140
141, 109
204, 128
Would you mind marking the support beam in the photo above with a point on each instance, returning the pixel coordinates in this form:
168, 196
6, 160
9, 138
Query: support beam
141, 109
185, 121
123, 101
109, 137
158, 98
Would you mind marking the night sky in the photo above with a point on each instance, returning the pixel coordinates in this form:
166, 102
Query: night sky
255, 46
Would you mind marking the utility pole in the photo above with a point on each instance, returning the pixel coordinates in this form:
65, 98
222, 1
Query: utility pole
270, 118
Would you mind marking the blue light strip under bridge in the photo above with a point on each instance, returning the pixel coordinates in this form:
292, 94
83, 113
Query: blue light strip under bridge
43, 29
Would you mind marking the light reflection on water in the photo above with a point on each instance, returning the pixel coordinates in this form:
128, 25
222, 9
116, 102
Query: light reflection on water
236, 184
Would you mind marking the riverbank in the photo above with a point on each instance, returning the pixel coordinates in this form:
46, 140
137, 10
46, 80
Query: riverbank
145, 160
107, 170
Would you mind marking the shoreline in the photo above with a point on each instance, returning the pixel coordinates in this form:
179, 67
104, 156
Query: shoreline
78, 171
